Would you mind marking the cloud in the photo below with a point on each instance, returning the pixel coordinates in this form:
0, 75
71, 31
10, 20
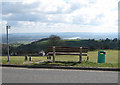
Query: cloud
18, 7
61, 15
25, 17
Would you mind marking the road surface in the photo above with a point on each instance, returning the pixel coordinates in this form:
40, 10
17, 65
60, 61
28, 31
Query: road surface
25, 75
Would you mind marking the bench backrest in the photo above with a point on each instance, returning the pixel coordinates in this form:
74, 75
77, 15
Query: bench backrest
67, 49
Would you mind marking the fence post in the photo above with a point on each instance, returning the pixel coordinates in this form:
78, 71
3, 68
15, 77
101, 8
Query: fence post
80, 56
53, 53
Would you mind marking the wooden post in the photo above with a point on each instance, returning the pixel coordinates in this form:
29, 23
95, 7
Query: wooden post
29, 58
26, 58
49, 57
80, 56
87, 58
53, 53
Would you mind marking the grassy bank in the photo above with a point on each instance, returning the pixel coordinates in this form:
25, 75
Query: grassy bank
76, 64
66, 60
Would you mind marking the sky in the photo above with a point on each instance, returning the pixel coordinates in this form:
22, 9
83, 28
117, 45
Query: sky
35, 16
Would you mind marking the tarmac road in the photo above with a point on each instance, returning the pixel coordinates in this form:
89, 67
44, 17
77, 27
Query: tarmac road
25, 75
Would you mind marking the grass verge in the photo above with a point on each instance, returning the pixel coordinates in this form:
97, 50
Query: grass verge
75, 64
66, 60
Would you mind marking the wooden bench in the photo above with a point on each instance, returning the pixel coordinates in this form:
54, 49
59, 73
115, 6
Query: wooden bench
80, 51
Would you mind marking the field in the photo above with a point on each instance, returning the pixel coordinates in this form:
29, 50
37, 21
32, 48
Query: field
66, 60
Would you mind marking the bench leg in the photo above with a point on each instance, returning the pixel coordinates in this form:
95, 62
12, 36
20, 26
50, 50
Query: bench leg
80, 56
53, 54
53, 58
87, 58
47, 57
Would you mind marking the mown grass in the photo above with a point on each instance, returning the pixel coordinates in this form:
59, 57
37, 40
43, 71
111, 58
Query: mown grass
19, 60
111, 56
67, 60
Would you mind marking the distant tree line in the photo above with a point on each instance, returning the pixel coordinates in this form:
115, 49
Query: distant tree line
36, 46
95, 44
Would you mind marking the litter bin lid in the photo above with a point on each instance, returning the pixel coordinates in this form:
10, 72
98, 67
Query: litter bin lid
102, 52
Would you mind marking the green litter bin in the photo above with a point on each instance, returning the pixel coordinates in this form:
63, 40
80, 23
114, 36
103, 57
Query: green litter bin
101, 57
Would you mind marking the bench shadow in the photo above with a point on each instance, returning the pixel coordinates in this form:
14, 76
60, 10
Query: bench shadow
67, 63
58, 63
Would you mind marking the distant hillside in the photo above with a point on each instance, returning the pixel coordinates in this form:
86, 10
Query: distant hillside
30, 37
42, 44
44, 39
33, 47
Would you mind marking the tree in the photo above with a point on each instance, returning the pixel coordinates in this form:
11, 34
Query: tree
55, 41
92, 47
107, 40
106, 46
115, 40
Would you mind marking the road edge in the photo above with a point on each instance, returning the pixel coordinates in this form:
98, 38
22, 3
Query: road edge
62, 67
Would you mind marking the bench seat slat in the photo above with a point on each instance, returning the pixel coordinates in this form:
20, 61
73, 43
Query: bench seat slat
65, 53
68, 51
68, 47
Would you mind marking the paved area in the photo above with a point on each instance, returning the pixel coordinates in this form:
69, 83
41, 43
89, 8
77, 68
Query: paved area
25, 75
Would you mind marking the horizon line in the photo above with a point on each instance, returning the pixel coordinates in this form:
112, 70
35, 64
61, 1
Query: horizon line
61, 32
